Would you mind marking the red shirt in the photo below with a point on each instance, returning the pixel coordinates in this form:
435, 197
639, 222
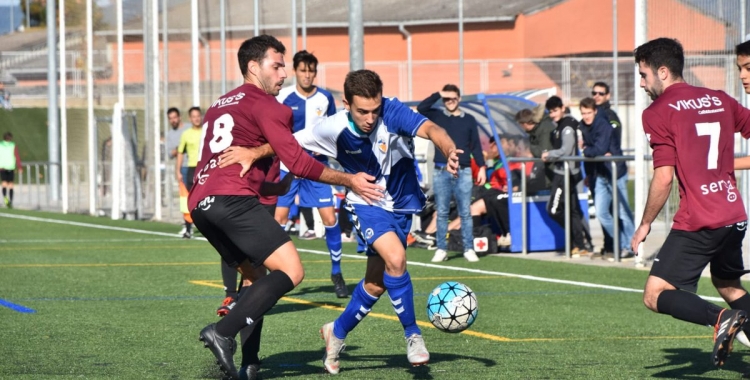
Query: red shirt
247, 116
692, 129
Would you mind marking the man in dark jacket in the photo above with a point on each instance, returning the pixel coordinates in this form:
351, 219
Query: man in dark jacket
539, 127
597, 136
600, 94
462, 129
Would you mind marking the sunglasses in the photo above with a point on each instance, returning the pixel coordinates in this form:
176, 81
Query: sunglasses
450, 100
595, 93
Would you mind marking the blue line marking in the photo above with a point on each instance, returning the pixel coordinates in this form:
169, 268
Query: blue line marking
15, 307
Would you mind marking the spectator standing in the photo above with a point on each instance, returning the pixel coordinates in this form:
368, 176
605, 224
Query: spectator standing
564, 142
462, 129
600, 94
10, 160
597, 135
539, 127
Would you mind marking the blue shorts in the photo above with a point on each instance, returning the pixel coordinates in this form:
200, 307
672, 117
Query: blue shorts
311, 194
372, 222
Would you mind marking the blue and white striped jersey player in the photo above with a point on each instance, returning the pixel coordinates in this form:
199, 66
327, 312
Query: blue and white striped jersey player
375, 135
310, 105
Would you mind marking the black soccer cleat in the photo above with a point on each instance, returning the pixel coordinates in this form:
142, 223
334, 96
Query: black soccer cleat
249, 372
729, 324
339, 286
222, 347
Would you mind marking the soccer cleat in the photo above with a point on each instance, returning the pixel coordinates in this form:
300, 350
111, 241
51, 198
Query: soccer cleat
8, 204
249, 372
187, 235
334, 346
423, 237
226, 306
339, 286
416, 352
223, 349
308, 235
182, 231
471, 256
742, 338
729, 324
440, 255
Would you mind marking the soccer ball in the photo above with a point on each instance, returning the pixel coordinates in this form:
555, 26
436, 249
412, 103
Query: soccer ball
452, 307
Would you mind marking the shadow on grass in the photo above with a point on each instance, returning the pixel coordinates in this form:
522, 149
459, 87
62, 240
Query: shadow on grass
306, 363
686, 363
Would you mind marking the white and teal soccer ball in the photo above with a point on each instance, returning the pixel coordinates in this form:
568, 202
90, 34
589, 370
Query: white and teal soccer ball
452, 307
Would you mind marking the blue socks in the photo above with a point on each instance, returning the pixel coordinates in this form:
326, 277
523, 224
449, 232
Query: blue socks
401, 292
359, 306
402, 298
333, 239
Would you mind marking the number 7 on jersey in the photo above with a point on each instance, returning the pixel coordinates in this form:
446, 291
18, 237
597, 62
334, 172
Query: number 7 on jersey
713, 131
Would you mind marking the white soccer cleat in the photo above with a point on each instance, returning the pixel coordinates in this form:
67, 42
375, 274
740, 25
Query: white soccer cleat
742, 338
416, 352
471, 256
440, 255
334, 346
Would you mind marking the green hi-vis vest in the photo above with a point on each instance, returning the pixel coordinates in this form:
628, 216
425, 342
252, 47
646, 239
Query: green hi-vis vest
7, 155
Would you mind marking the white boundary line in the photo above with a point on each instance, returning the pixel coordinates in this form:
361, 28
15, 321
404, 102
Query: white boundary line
362, 257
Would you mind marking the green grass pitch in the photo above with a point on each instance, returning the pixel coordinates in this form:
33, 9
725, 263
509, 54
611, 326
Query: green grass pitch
119, 304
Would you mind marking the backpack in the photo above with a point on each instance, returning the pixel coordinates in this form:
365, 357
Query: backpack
485, 240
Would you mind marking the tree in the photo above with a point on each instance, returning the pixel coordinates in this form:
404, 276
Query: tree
75, 13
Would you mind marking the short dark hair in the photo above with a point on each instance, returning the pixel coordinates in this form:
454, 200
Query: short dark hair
7, 136
364, 83
254, 49
196, 108
588, 103
525, 116
453, 88
553, 102
660, 52
173, 109
743, 49
303, 56
602, 84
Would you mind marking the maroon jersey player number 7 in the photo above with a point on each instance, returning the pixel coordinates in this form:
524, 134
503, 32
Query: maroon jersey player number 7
692, 129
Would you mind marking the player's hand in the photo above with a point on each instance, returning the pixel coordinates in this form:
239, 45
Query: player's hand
545, 155
452, 164
238, 155
20, 170
362, 185
639, 237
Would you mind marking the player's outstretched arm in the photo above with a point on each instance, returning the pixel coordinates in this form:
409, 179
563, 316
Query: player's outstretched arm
742, 163
661, 185
438, 136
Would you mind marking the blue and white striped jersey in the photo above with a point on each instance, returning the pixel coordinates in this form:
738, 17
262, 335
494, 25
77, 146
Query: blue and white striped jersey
387, 153
307, 111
